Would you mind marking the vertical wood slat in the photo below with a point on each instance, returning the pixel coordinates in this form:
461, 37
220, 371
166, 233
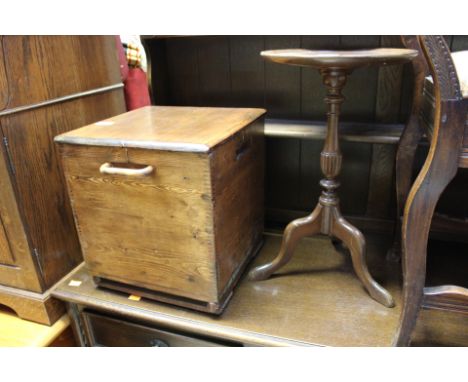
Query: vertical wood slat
282, 173
282, 82
282, 100
360, 92
214, 71
247, 70
406, 93
354, 177
158, 70
4, 90
383, 156
182, 61
361, 86
6, 255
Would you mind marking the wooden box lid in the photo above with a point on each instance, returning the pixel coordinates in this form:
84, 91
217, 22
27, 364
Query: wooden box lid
174, 128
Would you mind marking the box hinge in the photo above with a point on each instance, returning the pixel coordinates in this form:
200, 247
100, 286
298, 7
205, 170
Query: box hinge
7, 149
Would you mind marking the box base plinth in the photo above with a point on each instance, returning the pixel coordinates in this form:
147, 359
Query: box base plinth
37, 307
202, 306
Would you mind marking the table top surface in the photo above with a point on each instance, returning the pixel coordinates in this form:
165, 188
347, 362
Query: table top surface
315, 300
340, 59
15, 332
175, 128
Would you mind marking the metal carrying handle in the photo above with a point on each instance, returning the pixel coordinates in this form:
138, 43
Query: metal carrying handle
109, 169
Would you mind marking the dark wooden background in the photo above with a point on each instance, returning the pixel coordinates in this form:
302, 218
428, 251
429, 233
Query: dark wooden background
228, 71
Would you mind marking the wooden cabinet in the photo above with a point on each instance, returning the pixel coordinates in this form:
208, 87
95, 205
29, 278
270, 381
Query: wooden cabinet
48, 85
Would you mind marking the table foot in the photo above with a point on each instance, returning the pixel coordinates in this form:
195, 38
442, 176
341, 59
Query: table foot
297, 229
356, 243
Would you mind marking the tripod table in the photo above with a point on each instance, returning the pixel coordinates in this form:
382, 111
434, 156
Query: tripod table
326, 218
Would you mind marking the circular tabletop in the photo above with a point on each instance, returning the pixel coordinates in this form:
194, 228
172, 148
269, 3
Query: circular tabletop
340, 59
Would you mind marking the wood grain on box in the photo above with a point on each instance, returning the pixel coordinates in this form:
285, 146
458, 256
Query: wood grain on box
186, 229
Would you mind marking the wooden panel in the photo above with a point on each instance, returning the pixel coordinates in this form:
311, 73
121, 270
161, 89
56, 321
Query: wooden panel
309, 189
4, 89
238, 172
406, 96
381, 182
387, 102
158, 70
57, 66
169, 209
23, 273
283, 94
39, 181
6, 255
247, 70
40, 308
355, 173
214, 71
387, 110
282, 172
361, 86
182, 61
282, 82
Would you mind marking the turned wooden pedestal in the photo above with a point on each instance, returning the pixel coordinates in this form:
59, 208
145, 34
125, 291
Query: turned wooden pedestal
326, 218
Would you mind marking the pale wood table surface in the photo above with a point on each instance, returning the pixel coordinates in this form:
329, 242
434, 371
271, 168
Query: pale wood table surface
15, 332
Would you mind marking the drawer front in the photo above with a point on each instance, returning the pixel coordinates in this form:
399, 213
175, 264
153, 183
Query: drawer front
151, 230
104, 331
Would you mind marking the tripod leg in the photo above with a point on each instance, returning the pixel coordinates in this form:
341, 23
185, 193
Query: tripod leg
356, 243
295, 230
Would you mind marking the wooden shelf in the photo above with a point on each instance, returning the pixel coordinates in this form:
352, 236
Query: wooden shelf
315, 300
349, 131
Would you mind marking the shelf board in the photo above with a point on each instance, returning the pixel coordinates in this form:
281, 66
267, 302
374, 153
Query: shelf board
349, 131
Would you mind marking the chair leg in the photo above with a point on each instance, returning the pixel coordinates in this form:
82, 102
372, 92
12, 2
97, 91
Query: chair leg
418, 214
403, 172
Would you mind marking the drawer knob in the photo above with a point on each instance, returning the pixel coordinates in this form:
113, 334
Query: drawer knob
110, 169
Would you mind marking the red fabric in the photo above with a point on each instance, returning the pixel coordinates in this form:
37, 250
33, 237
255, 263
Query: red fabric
136, 89
122, 59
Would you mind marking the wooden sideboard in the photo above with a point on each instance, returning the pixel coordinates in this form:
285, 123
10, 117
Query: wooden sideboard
48, 85
314, 301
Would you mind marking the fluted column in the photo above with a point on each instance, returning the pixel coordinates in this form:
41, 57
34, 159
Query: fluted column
330, 157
